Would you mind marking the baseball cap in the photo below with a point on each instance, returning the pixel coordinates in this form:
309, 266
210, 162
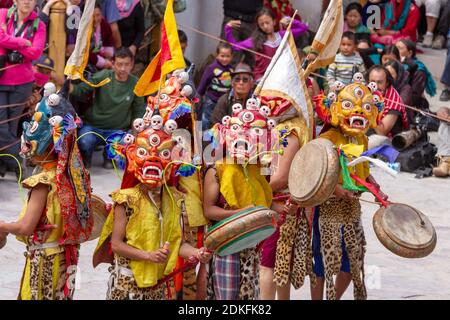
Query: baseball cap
44, 62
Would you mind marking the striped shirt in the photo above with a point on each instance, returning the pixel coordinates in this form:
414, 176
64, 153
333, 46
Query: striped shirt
342, 68
393, 104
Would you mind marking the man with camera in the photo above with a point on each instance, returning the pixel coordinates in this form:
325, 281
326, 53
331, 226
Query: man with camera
22, 40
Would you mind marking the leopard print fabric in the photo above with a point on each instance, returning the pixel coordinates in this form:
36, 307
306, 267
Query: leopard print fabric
123, 286
249, 276
249, 267
42, 284
293, 260
335, 214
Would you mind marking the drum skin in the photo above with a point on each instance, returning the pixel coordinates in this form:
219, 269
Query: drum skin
405, 231
241, 231
100, 214
314, 173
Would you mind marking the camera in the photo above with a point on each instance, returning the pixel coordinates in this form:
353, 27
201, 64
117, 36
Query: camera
15, 57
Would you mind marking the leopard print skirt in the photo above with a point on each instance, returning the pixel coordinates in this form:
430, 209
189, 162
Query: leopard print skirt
293, 260
342, 218
123, 286
41, 279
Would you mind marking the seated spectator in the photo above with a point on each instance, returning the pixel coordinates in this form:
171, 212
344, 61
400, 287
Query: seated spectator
443, 153
216, 81
421, 78
114, 105
111, 13
22, 40
184, 43
347, 61
241, 89
265, 39
401, 18
401, 83
389, 53
394, 119
353, 17
432, 10
131, 23
102, 42
370, 54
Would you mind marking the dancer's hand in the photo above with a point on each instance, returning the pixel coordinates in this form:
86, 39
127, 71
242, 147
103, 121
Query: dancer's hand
290, 208
158, 256
204, 255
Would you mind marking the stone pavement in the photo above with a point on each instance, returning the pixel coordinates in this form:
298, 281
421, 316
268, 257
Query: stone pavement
387, 275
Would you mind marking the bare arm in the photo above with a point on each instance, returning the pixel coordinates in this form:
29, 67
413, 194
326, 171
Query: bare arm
123, 249
211, 194
35, 208
386, 124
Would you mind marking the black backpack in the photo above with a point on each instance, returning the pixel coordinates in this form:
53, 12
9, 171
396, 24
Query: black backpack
418, 156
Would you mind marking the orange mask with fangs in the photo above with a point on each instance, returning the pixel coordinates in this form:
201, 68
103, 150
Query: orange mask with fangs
149, 156
354, 111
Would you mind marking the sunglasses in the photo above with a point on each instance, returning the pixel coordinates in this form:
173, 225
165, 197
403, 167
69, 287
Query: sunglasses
243, 79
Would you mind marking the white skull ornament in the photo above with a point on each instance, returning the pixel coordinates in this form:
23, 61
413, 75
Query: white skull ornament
358, 77
265, 111
372, 86
156, 122
53, 100
170, 126
271, 123
252, 104
139, 125
49, 88
237, 107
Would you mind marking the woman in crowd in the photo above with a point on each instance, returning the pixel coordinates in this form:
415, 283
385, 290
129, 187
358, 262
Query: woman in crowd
22, 40
400, 19
131, 25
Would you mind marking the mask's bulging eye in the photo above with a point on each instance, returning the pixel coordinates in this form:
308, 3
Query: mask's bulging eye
141, 152
164, 97
359, 92
248, 117
165, 154
347, 105
154, 140
235, 127
367, 107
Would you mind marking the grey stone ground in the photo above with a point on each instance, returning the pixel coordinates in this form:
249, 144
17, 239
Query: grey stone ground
387, 275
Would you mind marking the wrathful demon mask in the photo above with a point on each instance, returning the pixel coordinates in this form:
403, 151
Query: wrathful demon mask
54, 117
354, 108
247, 133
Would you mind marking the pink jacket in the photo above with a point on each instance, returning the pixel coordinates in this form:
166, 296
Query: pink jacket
22, 73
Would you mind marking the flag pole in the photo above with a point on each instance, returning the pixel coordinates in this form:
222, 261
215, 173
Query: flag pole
263, 79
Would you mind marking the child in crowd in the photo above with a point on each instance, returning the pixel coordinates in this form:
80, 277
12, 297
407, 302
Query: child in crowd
265, 39
346, 61
216, 81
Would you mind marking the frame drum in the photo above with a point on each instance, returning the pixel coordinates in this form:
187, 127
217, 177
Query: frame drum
100, 214
405, 231
242, 230
314, 173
